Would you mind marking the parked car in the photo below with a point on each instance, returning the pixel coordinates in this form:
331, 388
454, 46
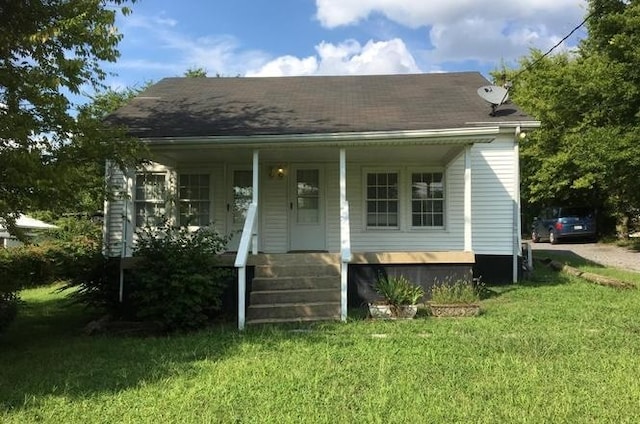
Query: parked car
564, 223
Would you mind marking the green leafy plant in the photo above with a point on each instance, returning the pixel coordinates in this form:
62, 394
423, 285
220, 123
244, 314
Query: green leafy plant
178, 281
460, 291
398, 290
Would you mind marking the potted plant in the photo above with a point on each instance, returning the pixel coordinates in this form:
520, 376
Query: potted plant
399, 298
457, 299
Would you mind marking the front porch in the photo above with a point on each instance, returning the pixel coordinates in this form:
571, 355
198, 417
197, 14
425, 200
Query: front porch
357, 203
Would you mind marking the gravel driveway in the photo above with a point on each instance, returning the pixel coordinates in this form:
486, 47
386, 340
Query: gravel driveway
604, 254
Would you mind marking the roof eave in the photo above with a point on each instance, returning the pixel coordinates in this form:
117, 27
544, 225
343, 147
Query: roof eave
476, 134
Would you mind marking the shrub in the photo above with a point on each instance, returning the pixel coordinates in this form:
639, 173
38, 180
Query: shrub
177, 280
398, 290
460, 291
8, 309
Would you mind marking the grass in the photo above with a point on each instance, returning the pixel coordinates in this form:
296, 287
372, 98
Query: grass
554, 349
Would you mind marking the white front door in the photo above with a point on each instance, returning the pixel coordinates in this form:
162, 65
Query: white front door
240, 197
307, 230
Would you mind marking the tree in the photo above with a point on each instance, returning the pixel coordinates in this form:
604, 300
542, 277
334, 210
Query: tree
588, 148
47, 51
195, 73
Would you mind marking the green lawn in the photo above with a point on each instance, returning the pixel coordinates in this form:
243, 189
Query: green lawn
555, 349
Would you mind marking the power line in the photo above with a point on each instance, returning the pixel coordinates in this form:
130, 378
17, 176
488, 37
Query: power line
555, 46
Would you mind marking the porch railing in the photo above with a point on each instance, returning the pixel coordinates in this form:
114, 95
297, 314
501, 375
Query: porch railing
248, 240
345, 256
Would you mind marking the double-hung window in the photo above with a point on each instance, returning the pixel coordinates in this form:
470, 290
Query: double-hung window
382, 199
150, 199
194, 200
427, 199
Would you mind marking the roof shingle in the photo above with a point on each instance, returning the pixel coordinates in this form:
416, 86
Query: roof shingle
178, 107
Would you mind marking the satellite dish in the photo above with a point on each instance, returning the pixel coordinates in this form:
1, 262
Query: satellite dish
494, 95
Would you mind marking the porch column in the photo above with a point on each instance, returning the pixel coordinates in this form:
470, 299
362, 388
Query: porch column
468, 243
254, 199
345, 237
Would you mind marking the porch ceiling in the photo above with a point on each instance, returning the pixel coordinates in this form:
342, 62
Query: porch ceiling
201, 155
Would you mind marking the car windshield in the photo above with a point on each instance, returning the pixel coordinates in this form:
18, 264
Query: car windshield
577, 212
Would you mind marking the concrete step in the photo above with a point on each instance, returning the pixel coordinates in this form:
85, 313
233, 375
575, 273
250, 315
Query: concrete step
308, 270
294, 311
295, 259
295, 283
285, 320
266, 297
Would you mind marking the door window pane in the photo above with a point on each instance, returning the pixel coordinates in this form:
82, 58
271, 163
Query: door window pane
242, 195
308, 196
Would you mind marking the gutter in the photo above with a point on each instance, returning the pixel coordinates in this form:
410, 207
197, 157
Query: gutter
484, 134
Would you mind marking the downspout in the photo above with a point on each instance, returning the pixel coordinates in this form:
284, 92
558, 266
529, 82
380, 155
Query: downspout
517, 227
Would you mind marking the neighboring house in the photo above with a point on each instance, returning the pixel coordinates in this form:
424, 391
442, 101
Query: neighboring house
389, 173
23, 222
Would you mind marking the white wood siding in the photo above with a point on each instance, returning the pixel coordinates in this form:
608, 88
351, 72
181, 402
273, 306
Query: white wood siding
273, 208
493, 202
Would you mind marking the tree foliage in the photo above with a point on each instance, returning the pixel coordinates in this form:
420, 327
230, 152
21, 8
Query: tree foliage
588, 148
48, 51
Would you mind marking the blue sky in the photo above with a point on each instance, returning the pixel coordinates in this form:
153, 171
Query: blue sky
164, 38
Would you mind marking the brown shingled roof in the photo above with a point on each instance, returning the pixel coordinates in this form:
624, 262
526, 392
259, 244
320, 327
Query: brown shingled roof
176, 107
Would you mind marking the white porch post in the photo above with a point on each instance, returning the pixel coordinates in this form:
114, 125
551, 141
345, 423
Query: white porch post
468, 242
345, 242
517, 230
256, 179
242, 270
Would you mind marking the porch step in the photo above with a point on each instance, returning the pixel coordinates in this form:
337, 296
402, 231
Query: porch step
265, 297
294, 288
295, 283
294, 312
297, 270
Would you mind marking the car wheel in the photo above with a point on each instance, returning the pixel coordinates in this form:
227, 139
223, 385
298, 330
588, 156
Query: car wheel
535, 237
553, 238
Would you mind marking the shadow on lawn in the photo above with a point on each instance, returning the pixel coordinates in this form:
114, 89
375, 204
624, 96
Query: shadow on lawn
45, 354
565, 256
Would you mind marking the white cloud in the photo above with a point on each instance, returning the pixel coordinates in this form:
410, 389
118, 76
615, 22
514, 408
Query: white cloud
467, 29
416, 13
347, 58
216, 54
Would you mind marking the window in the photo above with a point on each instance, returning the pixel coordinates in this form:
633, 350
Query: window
194, 200
150, 201
382, 200
427, 199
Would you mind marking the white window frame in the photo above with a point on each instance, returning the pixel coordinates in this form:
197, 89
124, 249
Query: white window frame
409, 201
365, 198
164, 201
180, 173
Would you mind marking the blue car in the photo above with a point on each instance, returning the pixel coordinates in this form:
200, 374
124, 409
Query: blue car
564, 223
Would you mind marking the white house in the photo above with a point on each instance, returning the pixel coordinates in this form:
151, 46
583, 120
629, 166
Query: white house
360, 174
25, 223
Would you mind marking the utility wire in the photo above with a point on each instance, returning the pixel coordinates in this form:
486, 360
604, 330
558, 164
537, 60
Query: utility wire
538, 60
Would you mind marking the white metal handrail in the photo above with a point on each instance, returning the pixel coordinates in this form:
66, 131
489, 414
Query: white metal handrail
247, 240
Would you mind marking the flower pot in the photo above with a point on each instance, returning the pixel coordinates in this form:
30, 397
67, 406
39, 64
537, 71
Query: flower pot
454, 309
386, 311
